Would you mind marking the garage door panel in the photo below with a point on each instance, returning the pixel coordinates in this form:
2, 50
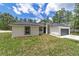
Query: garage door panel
64, 31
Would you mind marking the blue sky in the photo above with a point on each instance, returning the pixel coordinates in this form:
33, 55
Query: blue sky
34, 10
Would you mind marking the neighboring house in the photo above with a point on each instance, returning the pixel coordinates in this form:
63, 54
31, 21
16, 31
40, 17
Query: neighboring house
30, 29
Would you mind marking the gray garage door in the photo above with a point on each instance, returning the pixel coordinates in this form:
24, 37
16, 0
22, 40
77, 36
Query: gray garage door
64, 31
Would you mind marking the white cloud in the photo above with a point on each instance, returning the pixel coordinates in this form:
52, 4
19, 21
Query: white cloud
37, 20
40, 4
26, 8
58, 6
51, 7
16, 10
40, 8
50, 18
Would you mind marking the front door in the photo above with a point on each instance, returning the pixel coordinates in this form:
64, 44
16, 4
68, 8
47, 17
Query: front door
44, 30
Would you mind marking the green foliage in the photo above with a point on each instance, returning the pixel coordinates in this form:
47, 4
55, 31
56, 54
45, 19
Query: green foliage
59, 16
5, 20
62, 16
76, 16
45, 21
75, 33
31, 20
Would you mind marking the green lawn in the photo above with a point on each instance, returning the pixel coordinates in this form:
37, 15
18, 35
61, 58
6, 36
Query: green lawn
37, 45
75, 33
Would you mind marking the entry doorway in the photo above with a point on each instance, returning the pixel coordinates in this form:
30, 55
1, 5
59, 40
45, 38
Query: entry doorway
42, 30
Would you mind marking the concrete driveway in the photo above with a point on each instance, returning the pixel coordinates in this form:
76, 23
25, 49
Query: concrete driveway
4, 31
74, 37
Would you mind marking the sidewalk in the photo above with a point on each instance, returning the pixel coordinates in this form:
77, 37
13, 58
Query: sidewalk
74, 37
4, 31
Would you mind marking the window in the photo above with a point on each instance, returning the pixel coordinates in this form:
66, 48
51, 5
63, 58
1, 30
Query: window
40, 29
27, 30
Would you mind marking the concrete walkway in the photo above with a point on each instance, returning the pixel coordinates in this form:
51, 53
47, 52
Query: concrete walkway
74, 37
4, 31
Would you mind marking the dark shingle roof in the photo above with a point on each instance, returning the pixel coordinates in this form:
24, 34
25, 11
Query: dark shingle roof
38, 24
28, 24
58, 24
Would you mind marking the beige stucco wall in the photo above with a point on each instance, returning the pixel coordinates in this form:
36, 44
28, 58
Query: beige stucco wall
54, 30
34, 30
19, 31
57, 30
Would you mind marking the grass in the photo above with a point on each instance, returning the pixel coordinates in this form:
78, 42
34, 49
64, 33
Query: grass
75, 33
43, 45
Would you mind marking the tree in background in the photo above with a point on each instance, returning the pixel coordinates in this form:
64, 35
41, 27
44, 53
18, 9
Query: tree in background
59, 16
63, 16
46, 21
16, 19
31, 20
5, 20
76, 16
25, 20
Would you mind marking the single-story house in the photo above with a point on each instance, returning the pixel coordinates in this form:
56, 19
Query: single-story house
30, 29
